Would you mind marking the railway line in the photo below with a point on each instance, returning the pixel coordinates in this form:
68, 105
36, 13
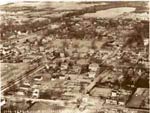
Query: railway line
102, 73
22, 76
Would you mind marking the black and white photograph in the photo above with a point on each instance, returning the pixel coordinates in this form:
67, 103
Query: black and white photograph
74, 56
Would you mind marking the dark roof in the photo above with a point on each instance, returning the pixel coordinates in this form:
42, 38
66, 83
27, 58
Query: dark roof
135, 101
138, 98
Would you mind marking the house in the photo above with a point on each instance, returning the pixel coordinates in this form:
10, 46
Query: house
35, 93
3, 101
93, 67
91, 52
101, 92
35, 85
83, 62
146, 42
121, 102
38, 78
64, 66
113, 94
75, 55
63, 72
55, 75
83, 55
72, 76
24, 87
64, 59
83, 49
111, 101
62, 54
53, 65
62, 77
27, 60
76, 69
26, 84
92, 74
52, 79
20, 93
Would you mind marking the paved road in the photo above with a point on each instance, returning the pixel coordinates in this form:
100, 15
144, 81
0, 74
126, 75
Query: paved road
62, 103
104, 73
59, 102
96, 80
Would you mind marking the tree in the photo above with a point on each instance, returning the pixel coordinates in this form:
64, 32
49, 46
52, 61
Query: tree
93, 44
64, 45
76, 46
2, 30
46, 94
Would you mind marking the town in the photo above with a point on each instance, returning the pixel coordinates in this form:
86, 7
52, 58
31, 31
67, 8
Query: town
74, 57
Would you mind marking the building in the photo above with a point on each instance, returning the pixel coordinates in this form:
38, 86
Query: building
139, 99
3, 101
93, 67
64, 66
111, 101
121, 101
38, 78
76, 69
101, 92
24, 87
36, 93
20, 93
92, 74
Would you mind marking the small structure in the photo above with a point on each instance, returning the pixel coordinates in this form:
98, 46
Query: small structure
139, 99
24, 87
111, 101
20, 93
38, 78
62, 54
53, 65
93, 67
64, 66
101, 92
76, 69
92, 74
26, 84
121, 102
113, 94
3, 101
35, 93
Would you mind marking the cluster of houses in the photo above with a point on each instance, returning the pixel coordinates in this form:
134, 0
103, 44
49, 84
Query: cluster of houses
78, 66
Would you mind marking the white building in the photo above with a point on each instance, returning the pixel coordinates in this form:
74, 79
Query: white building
93, 67
35, 93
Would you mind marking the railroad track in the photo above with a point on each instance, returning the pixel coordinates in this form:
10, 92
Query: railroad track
102, 73
22, 77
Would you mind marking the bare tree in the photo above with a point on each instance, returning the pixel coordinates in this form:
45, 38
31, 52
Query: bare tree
64, 45
93, 44
76, 46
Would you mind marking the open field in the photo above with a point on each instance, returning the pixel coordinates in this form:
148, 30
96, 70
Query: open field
109, 13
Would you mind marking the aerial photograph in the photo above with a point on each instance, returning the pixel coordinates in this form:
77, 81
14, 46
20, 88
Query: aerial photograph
74, 57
